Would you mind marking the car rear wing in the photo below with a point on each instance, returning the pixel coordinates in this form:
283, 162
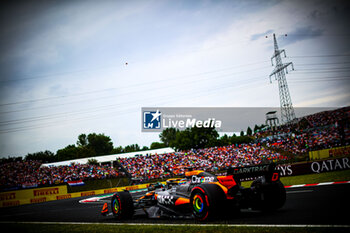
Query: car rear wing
267, 170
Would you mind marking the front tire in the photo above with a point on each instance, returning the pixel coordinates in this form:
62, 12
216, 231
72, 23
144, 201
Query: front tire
207, 201
122, 205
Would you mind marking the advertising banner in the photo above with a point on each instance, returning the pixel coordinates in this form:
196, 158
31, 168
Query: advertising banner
27, 196
320, 166
327, 153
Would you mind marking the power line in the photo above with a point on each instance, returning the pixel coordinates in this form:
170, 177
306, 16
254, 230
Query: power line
322, 63
58, 97
139, 84
108, 107
322, 55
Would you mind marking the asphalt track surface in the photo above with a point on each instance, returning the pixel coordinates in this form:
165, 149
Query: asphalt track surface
314, 205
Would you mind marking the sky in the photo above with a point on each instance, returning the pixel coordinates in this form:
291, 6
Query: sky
73, 67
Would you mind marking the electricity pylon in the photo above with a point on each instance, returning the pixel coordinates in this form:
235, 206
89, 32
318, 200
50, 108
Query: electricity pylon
287, 110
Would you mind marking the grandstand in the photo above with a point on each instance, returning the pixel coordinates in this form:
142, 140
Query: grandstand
328, 129
103, 159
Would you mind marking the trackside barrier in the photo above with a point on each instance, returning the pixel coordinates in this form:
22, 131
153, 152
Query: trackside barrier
333, 152
31, 196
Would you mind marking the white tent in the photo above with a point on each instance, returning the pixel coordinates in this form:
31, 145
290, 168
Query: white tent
110, 158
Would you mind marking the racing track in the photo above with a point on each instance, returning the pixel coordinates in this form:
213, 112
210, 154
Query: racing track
320, 205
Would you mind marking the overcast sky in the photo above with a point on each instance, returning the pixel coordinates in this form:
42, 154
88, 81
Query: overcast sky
72, 67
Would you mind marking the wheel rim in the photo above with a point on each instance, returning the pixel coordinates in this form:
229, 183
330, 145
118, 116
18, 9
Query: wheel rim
198, 203
116, 206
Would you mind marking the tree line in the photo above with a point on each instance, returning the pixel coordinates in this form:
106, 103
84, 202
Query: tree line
90, 145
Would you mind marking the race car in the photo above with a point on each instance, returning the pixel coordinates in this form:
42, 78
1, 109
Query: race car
204, 196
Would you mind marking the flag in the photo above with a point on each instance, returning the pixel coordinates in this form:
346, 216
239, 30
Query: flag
76, 183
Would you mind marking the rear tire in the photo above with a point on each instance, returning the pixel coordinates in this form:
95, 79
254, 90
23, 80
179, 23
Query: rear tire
207, 201
270, 196
122, 205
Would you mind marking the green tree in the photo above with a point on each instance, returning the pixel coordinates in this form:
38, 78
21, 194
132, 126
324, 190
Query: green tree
84, 152
43, 156
249, 131
87, 146
92, 162
82, 140
224, 140
256, 128
183, 140
157, 145
195, 138
241, 134
118, 150
241, 139
168, 136
100, 144
67, 153
131, 148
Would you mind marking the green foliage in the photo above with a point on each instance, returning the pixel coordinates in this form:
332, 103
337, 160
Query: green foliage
226, 140
183, 140
195, 138
257, 128
117, 150
249, 131
67, 153
82, 140
10, 159
44, 156
157, 145
100, 144
87, 146
168, 136
131, 148
92, 162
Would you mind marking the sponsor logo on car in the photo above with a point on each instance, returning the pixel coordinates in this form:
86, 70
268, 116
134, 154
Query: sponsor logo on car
202, 179
244, 170
165, 199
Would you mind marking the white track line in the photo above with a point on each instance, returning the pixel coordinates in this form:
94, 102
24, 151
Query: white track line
191, 225
316, 184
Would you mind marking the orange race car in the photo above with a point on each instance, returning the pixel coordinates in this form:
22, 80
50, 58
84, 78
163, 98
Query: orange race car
203, 196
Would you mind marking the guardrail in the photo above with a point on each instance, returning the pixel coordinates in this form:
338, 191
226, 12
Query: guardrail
37, 195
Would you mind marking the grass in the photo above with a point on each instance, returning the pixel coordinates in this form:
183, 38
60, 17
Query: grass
104, 228
312, 178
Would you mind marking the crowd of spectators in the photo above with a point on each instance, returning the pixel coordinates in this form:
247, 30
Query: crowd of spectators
209, 159
25, 174
314, 132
